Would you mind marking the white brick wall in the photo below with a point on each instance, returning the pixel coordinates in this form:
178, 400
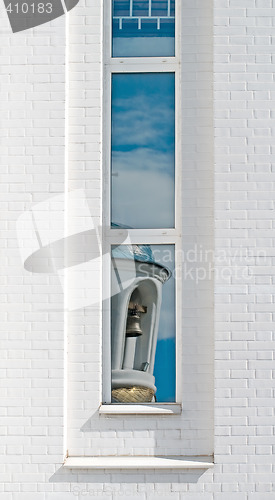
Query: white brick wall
32, 169
244, 203
32, 320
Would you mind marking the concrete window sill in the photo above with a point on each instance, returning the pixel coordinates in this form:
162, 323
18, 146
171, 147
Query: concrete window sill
137, 409
130, 462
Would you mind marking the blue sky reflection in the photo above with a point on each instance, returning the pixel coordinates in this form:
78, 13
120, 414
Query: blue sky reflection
143, 150
165, 361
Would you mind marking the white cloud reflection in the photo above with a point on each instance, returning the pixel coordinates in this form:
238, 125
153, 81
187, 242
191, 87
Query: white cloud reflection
142, 189
143, 119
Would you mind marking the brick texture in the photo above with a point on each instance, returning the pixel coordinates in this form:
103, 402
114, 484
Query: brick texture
228, 180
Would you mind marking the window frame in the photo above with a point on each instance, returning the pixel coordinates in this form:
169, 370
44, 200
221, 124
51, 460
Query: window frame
173, 236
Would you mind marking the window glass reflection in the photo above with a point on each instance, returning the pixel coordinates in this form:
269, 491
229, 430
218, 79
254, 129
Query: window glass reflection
143, 28
143, 323
143, 150
141, 8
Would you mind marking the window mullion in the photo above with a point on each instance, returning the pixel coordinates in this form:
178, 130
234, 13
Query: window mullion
156, 64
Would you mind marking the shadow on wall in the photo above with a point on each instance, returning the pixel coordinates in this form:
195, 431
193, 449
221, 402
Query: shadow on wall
122, 482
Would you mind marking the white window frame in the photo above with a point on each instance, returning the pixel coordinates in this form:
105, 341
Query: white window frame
163, 236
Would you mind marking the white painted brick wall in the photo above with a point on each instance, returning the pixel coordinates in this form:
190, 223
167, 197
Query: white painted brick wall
244, 211
89, 433
32, 326
32, 169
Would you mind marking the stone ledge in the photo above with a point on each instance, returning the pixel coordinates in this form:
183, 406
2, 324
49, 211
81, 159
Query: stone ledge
141, 462
145, 408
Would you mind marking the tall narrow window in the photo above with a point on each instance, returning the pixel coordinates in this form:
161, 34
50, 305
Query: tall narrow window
142, 219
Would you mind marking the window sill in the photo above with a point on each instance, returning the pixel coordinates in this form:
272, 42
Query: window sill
131, 462
140, 409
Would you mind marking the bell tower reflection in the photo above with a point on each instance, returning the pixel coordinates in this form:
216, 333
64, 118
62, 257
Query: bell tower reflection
135, 322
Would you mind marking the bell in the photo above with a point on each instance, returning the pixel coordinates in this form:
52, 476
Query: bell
133, 328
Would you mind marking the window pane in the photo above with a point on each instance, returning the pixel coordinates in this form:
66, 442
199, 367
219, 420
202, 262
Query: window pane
143, 150
143, 323
143, 28
141, 8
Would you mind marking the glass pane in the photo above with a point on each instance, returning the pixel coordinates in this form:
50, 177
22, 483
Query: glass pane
141, 8
143, 323
143, 150
143, 28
